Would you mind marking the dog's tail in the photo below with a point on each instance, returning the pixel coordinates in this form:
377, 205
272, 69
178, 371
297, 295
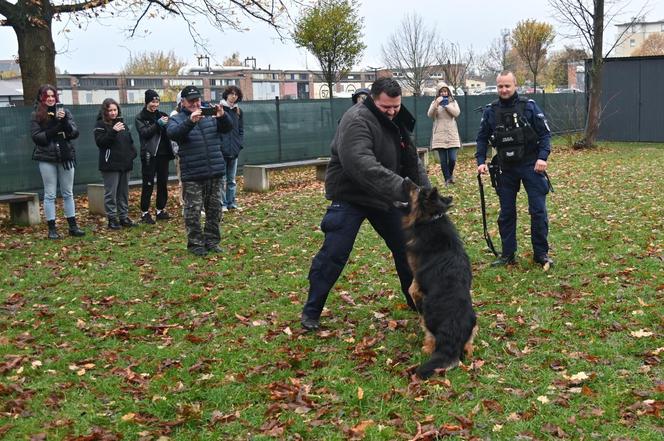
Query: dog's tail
438, 360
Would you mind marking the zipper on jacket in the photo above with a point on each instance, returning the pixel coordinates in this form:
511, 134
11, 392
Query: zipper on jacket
107, 155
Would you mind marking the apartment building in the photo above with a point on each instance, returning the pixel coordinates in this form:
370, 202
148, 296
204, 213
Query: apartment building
633, 34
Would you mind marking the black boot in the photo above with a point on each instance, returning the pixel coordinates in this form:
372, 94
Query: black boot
52, 232
73, 227
113, 224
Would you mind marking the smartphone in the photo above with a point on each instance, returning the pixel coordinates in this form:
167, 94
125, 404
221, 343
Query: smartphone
208, 111
119, 119
59, 107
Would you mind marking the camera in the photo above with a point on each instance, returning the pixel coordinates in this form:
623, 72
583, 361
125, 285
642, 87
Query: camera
208, 111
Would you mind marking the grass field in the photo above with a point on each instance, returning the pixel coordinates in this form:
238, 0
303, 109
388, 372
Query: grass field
124, 335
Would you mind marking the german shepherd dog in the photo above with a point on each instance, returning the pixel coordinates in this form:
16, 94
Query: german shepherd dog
441, 282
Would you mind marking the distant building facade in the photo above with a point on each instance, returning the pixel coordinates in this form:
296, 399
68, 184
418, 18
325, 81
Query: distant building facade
634, 34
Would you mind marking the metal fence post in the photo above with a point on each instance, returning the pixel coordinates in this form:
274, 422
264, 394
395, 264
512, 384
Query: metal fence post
276, 102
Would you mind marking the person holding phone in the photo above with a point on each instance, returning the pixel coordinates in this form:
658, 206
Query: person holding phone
444, 110
53, 129
201, 168
116, 160
156, 154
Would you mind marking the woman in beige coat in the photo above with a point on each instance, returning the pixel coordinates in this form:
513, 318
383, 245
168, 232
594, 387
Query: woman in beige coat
445, 136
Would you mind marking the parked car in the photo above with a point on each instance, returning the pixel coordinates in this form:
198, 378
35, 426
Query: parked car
489, 90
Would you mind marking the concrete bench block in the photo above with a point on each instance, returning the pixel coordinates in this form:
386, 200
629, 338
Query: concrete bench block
96, 199
25, 212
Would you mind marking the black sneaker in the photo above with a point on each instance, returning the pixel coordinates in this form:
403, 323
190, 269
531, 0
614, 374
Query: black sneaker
163, 215
216, 249
310, 324
127, 223
504, 261
544, 261
147, 219
113, 224
198, 251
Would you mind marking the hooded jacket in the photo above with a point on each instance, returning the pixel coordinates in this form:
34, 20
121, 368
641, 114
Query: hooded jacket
199, 145
116, 149
153, 137
444, 134
371, 155
53, 138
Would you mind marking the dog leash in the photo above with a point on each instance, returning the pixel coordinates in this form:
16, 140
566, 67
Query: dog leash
487, 238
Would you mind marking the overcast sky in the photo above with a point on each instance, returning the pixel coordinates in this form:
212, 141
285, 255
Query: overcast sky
104, 48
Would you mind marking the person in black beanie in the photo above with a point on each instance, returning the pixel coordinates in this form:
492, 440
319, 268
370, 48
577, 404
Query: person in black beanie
156, 153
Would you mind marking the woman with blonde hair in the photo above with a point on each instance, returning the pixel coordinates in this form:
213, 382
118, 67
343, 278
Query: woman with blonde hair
445, 138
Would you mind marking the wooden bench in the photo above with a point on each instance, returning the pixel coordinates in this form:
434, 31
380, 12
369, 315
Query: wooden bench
96, 194
23, 208
257, 177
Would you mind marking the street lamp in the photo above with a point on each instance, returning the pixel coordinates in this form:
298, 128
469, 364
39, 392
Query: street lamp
375, 69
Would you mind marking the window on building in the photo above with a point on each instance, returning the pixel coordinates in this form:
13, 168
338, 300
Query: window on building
63, 83
632, 42
88, 98
98, 83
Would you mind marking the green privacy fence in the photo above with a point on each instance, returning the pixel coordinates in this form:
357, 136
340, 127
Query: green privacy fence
275, 131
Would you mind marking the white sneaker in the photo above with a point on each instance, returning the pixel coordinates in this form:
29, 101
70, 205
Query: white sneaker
224, 208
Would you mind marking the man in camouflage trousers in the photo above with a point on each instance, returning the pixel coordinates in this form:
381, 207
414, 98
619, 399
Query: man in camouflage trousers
201, 168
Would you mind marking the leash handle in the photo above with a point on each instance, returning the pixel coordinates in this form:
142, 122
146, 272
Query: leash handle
487, 238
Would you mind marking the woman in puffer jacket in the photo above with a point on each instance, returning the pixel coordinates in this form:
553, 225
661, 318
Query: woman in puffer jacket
445, 138
53, 129
116, 160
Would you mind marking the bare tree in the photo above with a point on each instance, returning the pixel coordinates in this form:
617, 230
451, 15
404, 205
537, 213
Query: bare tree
588, 20
455, 63
532, 39
497, 58
32, 22
411, 50
154, 63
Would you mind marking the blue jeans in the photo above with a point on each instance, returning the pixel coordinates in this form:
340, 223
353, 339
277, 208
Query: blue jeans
341, 224
537, 188
448, 159
52, 173
228, 184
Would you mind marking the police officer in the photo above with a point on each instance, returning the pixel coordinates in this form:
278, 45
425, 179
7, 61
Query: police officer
518, 129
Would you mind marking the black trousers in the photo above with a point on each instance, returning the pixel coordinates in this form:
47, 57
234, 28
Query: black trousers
155, 166
341, 223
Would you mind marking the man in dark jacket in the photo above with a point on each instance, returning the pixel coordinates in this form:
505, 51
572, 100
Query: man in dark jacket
156, 154
372, 154
517, 128
201, 168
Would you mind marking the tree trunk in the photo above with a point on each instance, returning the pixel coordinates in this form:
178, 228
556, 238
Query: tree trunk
595, 87
36, 56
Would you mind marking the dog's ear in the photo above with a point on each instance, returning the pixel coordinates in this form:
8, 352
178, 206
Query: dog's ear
447, 201
433, 194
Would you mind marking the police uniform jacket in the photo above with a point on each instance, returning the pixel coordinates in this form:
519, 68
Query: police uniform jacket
116, 149
199, 145
370, 156
535, 117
